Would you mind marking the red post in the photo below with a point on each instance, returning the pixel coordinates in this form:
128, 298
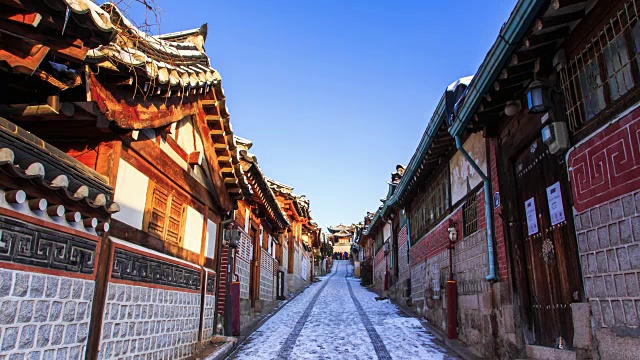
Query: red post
234, 294
452, 291
452, 313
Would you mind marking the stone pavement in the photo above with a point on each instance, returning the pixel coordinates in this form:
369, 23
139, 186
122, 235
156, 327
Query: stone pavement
337, 318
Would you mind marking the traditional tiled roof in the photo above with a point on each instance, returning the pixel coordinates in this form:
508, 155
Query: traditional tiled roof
280, 187
262, 189
171, 78
164, 62
28, 163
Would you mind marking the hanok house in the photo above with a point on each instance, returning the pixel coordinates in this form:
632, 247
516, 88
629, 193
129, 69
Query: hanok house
558, 96
145, 116
54, 209
262, 223
295, 253
445, 265
387, 244
340, 237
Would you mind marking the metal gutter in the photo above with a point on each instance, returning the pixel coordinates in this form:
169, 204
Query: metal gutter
488, 212
510, 35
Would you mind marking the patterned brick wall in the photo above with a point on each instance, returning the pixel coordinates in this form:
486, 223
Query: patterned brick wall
609, 247
44, 315
142, 321
499, 238
404, 272
266, 276
243, 261
605, 178
379, 268
208, 325
470, 264
47, 282
436, 240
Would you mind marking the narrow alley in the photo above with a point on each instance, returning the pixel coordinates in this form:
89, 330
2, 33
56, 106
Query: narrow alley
337, 318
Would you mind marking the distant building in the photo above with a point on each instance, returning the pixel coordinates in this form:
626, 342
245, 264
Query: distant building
341, 238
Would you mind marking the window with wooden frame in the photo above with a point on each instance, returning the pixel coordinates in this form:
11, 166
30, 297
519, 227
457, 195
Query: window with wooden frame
437, 199
470, 215
432, 207
164, 215
379, 241
417, 221
605, 70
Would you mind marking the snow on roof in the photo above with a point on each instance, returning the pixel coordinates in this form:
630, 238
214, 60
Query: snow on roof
464, 81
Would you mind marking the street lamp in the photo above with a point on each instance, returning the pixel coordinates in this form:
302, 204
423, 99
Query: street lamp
538, 99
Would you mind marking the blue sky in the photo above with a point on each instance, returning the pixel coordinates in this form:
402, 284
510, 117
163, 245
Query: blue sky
335, 93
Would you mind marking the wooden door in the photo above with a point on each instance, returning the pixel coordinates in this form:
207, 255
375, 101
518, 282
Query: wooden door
551, 254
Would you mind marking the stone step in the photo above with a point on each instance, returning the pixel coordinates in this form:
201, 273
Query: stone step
535, 352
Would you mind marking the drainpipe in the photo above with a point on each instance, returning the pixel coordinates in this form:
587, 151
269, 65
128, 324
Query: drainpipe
487, 209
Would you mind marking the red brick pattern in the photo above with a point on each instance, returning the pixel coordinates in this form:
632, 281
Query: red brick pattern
404, 272
436, 240
499, 238
607, 165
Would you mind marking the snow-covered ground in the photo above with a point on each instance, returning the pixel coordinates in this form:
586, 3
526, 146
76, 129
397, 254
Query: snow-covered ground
324, 322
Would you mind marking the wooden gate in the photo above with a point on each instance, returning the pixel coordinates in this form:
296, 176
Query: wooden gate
551, 254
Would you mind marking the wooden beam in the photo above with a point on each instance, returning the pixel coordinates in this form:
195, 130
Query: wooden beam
527, 54
512, 81
557, 20
547, 37
559, 4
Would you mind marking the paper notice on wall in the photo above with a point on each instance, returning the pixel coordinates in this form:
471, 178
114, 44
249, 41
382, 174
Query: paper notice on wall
532, 218
556, 208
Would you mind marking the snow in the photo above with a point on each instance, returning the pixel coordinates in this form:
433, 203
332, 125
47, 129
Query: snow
464, 81
334, 329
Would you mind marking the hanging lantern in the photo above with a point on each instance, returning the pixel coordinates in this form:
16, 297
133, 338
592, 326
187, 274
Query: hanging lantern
538, 100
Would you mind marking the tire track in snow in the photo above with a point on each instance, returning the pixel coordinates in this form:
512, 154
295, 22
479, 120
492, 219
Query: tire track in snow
378, 345
290, 342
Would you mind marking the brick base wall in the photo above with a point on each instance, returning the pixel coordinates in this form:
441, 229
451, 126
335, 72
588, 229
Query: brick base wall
145, 321
379, 269
44, 315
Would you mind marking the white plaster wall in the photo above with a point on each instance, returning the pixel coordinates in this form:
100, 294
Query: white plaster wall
131, 194
193, 230
212, 231
386, 231
462, 175
186, 136
173, 154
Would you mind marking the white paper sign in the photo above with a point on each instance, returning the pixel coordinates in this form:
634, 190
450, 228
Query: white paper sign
556, 209
532, 218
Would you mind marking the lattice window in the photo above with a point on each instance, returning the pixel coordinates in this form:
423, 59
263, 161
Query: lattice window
165, 214
417, 222
437, 200
605, 70
470, 215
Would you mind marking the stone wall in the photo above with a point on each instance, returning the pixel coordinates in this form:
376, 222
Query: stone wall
45, 297
379, 269
152, 307
143, 321
403, 290
208, 317
44, 315
605, 177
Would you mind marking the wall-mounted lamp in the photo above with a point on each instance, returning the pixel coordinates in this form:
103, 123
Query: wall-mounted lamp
538, 98
453, 233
